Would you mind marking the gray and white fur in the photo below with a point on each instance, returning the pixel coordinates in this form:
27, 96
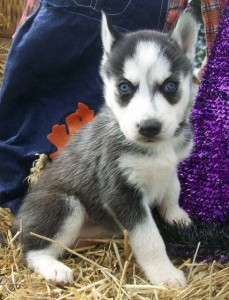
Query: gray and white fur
124, 163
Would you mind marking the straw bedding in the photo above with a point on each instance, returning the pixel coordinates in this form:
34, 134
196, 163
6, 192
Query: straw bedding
10, 14
104, 270
4, 46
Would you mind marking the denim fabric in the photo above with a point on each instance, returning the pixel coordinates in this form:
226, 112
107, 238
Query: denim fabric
53, 63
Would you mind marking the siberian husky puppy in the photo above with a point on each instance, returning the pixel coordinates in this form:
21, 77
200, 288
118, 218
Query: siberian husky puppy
123, 163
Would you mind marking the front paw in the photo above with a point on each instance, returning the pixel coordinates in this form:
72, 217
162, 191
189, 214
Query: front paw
166, 275
57, 273
177, 216
49, 267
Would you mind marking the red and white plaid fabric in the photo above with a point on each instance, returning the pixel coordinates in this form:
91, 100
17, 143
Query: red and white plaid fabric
175, 7
211, 11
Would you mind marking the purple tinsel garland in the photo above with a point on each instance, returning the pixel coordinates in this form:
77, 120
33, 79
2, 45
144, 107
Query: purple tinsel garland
205, 176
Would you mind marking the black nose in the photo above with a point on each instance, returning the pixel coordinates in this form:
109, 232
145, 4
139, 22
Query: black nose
149, 128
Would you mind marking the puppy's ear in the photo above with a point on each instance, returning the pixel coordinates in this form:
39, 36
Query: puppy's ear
109, 34
185, 33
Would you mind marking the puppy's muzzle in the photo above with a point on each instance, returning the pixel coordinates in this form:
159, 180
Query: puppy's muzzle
149, 128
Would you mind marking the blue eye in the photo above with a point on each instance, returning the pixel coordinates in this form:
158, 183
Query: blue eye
125, 88
170, 87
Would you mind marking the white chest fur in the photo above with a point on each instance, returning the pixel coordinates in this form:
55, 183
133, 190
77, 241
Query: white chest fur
151, 173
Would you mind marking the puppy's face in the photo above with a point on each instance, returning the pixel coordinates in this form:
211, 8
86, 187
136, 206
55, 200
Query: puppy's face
147, 80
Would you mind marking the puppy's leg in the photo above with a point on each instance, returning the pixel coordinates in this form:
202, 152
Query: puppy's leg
44, 261
145, 240
149, 249
170, 209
